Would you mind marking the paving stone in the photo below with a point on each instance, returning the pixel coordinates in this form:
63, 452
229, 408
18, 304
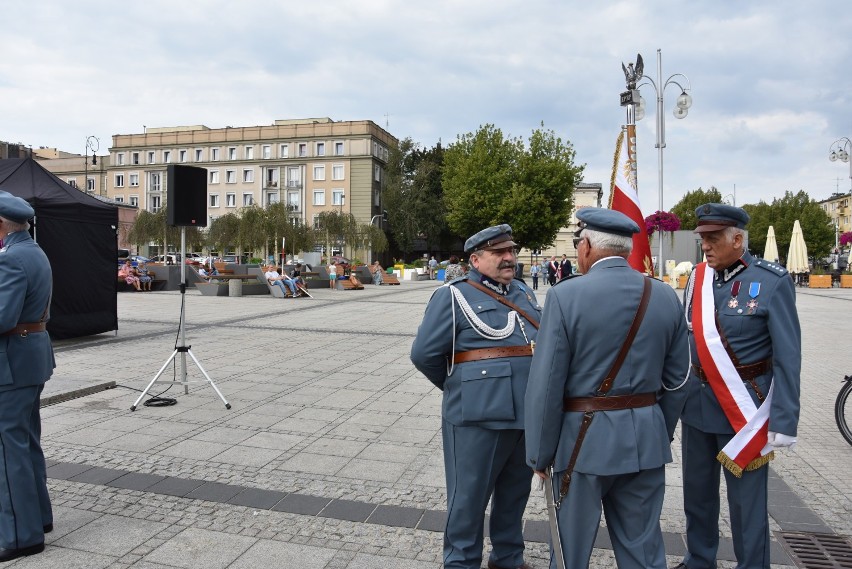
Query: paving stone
396, 516
173, 486
201, 548
135, 481
257, 498
98, 475
215, 492
66, 471
111, 535
433, 521
301, 504
268, 553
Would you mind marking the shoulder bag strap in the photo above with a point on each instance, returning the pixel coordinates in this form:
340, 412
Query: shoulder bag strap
502, 300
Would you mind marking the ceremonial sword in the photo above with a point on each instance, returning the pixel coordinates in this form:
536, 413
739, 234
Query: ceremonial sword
555, 541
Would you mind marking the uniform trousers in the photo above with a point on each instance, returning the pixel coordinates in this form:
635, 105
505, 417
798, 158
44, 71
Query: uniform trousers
631, 504
747, 501
24, 501
482, 464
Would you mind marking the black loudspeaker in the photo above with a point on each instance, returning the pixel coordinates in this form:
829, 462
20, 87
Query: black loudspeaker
187, 196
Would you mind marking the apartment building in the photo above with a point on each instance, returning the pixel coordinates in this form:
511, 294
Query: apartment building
313, 165
838, 209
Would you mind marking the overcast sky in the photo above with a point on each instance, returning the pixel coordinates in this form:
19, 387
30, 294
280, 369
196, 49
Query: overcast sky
771, 80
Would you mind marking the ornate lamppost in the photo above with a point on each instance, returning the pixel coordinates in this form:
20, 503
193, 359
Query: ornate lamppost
93, 144
839, 150
635, 104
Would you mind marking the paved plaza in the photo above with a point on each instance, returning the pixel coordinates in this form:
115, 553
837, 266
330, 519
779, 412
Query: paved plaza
330, 455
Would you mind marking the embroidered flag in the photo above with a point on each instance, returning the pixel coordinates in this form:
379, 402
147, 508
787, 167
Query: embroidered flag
624, 197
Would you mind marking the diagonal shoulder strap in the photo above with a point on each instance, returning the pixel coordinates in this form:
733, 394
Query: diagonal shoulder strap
502, 300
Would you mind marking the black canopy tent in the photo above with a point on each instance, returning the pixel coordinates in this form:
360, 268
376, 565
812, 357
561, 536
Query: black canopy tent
78, 234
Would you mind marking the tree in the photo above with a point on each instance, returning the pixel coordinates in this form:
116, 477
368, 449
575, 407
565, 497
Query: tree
781, 214
224, 232
685, 208
154, 228
489, 179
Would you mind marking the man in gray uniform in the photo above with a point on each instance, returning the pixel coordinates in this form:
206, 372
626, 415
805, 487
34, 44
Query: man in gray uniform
474, 344
745, 340
26, 363
611, 437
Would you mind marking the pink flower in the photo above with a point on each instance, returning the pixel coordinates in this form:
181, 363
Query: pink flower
661, 221
846, 238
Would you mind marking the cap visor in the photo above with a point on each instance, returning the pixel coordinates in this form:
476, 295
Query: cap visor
500, 245
710, 228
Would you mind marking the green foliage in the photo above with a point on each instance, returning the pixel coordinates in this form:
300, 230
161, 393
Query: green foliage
685, 208
781, 214
154, 228
490, 179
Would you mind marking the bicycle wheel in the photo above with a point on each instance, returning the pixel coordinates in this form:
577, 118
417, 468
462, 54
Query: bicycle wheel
843, 411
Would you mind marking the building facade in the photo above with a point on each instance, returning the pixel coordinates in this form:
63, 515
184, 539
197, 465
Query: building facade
313, 165
838, 209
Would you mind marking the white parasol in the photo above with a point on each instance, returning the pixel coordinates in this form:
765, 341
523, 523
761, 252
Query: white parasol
770, 252
797, 258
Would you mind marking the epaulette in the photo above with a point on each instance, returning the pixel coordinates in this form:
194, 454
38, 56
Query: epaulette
773, 268
567, 278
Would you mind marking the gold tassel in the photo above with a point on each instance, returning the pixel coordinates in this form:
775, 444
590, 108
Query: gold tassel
615, 166
735, 468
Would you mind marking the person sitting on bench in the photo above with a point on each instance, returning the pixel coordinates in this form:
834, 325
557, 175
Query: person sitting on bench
296, 276
378, 273
273, 278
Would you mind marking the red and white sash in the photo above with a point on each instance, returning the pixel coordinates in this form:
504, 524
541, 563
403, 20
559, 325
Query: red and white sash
748, 449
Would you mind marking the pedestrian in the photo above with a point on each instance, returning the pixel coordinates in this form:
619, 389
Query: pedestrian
454, 270
26, 363
746, 352
433, 267
534, 271
603, 397
474, 344
565, 268
332, 275
552, 270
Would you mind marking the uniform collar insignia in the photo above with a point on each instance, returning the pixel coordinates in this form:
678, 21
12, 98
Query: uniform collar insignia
732, 271
493, 285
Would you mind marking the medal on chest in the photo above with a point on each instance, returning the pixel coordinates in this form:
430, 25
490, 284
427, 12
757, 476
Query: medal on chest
753, 292
735, 290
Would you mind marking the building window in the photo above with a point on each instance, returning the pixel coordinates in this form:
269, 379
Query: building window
230, 200
134, 180
294, 177
155, 203
319, 197
134, 158
119, 180
377, 173
284, 151
293, 199
336, 197
248, 199
266, 151
249, 152
320, 148
230, 176
119, 159
199, 154
319, 172
182, 155
315, 220
337, 172
232, 153
119, 199
151, 157
271, 197
272, 177
248, 175
90, 184
214, 176
214, 200
156, 179
338, 148
134, 201
71, 182
167, 156
214, 154
303, 150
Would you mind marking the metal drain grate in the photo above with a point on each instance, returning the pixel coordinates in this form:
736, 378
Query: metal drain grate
818, 550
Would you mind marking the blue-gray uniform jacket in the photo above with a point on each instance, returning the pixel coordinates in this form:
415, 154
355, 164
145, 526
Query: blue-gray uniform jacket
768, 331
485, 393
25, 288
584, 324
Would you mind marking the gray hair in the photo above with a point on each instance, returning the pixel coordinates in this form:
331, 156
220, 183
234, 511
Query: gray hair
731, 232
614, 244
12, 226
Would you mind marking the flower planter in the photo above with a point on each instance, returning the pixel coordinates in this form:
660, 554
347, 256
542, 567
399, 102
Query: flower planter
845, 281
681, 281
819, 281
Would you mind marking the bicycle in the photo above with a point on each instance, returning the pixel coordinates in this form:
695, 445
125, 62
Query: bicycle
840, 412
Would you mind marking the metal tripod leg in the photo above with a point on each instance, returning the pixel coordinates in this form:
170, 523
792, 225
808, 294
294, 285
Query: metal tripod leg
156, 377
210, 381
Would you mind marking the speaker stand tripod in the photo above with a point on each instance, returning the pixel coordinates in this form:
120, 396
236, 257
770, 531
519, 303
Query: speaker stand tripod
181, 348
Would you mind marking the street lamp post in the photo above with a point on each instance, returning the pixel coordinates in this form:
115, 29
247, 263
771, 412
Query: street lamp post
93, 144
839, 150
684, 101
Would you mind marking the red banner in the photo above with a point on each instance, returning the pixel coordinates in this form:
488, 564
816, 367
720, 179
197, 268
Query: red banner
624, 197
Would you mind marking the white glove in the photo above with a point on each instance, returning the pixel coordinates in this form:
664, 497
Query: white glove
780, 441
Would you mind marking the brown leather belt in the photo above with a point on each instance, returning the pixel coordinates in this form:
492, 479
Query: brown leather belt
492, 353
747, 372
26, 328
611, 403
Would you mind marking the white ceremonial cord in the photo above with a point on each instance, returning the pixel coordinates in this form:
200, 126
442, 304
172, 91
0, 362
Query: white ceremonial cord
690, 289
477, 324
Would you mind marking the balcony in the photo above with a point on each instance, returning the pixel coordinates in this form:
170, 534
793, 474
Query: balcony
294, 184
273, 184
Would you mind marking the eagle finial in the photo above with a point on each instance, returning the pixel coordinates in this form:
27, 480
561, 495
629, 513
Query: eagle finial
632, 74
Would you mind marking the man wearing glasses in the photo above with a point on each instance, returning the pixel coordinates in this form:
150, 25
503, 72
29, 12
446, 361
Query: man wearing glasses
475, 344
604, 396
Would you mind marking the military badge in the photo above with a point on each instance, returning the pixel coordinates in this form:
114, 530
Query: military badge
752, 306
733, 303
735, 291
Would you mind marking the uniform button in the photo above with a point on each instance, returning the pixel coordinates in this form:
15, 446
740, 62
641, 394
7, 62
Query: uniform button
484, 372
478, 307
